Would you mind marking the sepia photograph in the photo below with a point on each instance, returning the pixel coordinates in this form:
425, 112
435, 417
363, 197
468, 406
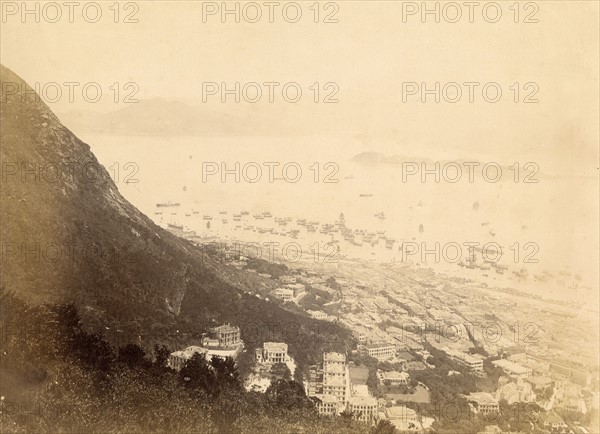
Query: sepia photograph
311, 216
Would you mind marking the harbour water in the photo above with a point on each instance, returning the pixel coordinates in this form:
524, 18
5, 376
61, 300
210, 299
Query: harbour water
322, 182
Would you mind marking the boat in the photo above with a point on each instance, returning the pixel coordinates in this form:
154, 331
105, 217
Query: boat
173, 226
167, 204
207, 217
245, 213
365, 195
222, 212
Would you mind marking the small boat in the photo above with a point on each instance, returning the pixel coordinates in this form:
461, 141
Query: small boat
207, 217
365, 195
167, 204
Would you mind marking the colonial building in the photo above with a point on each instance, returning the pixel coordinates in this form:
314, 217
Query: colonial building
332, 379
222, 341
393, 378
513, 369
483, 403
380, 351
285, 294
474, 363
363, 408
227, 335
272, 352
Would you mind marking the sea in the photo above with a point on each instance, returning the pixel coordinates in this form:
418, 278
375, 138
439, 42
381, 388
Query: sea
544, 231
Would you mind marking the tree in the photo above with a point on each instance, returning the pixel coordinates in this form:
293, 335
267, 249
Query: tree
225, 372
281, 370
384, 427
132, 355
161, 355
197, 375
287, 395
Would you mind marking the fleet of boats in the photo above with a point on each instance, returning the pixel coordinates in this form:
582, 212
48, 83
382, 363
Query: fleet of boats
333, 232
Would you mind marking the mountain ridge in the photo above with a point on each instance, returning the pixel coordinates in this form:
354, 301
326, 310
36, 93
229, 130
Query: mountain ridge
123, 271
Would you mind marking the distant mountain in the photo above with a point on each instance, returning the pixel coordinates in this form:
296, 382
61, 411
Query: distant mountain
156, 117
379, 158
396, 159
68, 235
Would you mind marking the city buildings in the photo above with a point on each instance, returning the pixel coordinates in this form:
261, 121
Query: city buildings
329, 384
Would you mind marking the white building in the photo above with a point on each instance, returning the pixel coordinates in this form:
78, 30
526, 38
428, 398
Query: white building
380, 351
474, 363
513, 369
394, 378
285, 294
272, 352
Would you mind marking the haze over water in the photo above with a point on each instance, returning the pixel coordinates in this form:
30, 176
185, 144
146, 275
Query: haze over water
171, 169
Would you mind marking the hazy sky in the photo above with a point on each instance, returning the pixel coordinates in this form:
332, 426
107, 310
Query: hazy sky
369, 53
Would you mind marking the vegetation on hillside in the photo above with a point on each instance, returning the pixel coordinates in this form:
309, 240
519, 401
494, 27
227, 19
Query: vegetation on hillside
58, 377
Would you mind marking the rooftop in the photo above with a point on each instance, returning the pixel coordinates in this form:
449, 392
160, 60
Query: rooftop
511, 366
363, 400
400, 412
481, 398
328, 399
225, 328
334, 357
275, 347
394, 375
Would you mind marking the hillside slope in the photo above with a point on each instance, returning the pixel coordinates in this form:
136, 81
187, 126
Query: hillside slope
69, 236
